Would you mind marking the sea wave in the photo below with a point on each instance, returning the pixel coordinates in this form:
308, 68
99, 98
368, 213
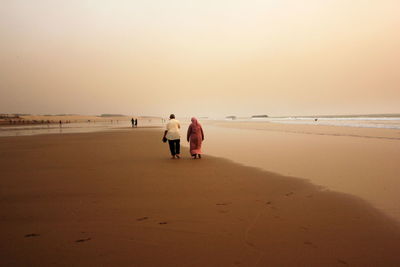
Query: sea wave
358, 122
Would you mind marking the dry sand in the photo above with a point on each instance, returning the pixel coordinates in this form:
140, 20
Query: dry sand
116, 199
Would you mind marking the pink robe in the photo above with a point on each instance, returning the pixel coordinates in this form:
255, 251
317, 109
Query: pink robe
196, 136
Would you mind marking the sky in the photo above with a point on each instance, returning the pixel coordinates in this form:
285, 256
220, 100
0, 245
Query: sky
200, 58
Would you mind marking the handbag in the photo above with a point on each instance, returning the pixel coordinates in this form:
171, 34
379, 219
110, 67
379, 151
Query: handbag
164, 139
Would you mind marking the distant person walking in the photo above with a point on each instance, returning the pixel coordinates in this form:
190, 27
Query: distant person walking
195, 136
133, 122
173, 136
60, 123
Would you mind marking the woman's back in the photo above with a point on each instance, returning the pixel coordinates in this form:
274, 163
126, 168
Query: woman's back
195, 136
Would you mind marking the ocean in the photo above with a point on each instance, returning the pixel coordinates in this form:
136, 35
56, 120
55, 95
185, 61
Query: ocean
359, 122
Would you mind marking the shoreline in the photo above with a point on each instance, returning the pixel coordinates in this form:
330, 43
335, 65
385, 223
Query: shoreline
115, 198
360, 162
311, 128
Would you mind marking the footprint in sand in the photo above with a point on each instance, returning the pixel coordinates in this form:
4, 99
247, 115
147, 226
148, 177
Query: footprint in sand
304, 228
250, 244
289, 194
32, 235
342, 262
269, 203
308, 243
142, 218
223, 203
162, 223
83, 240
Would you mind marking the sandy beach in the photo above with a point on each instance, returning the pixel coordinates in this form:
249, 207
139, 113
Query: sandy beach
116, 199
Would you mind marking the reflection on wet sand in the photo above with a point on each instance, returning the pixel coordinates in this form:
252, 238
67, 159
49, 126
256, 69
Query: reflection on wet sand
64, 128
358, 161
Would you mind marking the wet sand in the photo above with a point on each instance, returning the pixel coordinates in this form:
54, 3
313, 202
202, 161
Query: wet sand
359, 161
116, 199
72, 124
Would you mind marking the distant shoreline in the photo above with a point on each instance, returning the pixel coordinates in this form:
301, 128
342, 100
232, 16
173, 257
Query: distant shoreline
390, 115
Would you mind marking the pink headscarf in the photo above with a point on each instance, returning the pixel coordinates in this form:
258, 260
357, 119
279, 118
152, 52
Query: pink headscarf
196, 126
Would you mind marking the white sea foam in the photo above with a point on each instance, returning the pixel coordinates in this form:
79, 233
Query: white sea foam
361, 122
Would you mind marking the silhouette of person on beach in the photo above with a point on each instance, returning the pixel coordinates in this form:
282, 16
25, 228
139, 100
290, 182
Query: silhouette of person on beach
173, 136
133, 122
195, 136
136, 123
60, 122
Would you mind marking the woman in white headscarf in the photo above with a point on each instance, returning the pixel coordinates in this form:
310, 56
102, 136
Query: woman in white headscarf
195, 136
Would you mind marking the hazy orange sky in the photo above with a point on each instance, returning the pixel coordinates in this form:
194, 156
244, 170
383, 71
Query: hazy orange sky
203, 58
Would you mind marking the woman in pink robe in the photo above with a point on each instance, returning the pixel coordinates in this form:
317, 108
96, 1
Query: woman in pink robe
195, 136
